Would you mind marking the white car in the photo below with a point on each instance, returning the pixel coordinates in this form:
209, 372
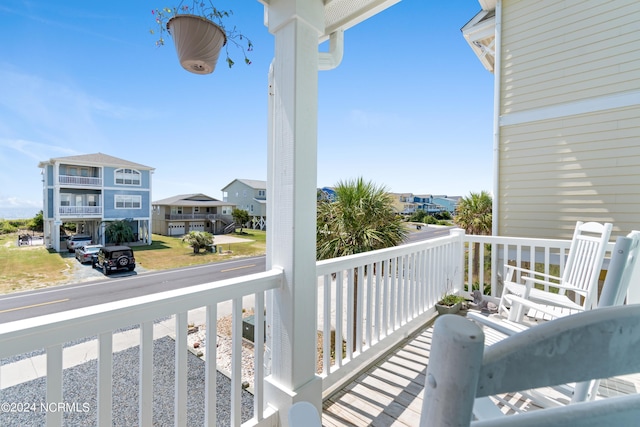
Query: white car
74, 242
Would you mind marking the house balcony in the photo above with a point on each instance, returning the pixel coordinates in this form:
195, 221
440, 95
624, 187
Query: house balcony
80, 211
367, 305
79, 181
198, 216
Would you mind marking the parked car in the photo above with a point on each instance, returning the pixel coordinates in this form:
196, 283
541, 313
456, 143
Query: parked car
114, 258
86, 253
74, 242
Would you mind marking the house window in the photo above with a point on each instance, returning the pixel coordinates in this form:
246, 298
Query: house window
128, 202
196, 209
261, 192
176, 210
65, 199
127, 177
92, 200
73, 171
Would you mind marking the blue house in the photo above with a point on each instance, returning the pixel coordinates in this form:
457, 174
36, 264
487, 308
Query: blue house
92, 190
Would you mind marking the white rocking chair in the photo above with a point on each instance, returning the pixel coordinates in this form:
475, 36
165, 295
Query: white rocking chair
594, 344
580, 275
621, 268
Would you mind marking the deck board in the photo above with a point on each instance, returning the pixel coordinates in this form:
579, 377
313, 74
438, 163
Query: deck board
390, 392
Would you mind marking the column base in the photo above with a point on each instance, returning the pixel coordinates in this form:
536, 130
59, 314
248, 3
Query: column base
281, 398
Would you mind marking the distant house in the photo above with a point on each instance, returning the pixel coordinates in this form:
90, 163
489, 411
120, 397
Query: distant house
446, 203
250, 195
327, 193
90, 191
178, 215
409, 203
403, 203
567, 102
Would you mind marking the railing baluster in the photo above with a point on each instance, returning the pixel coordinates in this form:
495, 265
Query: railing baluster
211, 372
385, 298
180, 397
236, 361
54, 383
258, 339
326, 327
368, 301
339, 318
377, 315
105, 378
352, 288
393, 303
145, 405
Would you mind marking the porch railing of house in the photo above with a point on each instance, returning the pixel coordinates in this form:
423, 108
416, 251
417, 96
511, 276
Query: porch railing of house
367, 303
211, 217
51, 332
80, 210
371, 301
85, 181
487, 256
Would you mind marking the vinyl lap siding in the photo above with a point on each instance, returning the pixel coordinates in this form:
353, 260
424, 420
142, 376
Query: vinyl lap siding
556, 52
583, 167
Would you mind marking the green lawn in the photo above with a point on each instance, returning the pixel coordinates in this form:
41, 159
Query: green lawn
27, 267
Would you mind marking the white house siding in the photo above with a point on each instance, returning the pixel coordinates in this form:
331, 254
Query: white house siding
570, 116
584, 167
556, 52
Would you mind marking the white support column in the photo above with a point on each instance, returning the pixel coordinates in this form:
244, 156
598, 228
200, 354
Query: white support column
292, 157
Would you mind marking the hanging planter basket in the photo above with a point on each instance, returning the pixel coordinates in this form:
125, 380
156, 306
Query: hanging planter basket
198, 42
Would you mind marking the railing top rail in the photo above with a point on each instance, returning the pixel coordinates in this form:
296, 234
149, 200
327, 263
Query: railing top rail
531, 241
332, 265
524, 241
40, 332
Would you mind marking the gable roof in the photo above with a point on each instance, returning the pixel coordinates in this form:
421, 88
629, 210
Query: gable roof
253, 183
97, 159
195, 199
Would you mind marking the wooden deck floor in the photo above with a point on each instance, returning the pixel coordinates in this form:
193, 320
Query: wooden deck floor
390, 393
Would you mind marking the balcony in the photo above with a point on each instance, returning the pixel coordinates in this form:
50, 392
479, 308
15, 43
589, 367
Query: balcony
368, 304
79, 181
80, 211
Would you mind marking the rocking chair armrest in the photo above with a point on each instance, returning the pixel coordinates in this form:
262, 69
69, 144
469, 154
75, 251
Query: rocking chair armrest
510, 269
530, 280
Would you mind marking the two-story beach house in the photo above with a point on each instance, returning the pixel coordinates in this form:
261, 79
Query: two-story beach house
178, 215
91, 190
567, 102
250, 195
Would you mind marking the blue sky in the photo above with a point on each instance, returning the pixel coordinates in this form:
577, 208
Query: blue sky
410, 107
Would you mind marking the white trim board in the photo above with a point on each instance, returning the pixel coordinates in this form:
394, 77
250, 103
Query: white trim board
593, 105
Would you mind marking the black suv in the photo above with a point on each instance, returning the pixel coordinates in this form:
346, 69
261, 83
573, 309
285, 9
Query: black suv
113, 258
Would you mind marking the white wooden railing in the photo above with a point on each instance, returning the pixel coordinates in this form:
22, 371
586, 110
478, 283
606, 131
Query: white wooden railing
80, 210
387, 294
80, 180
544, 255
53, 331
397, 289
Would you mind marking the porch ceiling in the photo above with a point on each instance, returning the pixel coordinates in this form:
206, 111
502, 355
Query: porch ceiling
344, 14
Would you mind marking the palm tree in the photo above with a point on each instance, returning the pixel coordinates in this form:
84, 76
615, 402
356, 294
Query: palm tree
473, 213
198, 240
119, 231
361, 219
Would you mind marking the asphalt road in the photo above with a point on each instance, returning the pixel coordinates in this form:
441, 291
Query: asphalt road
117, 286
